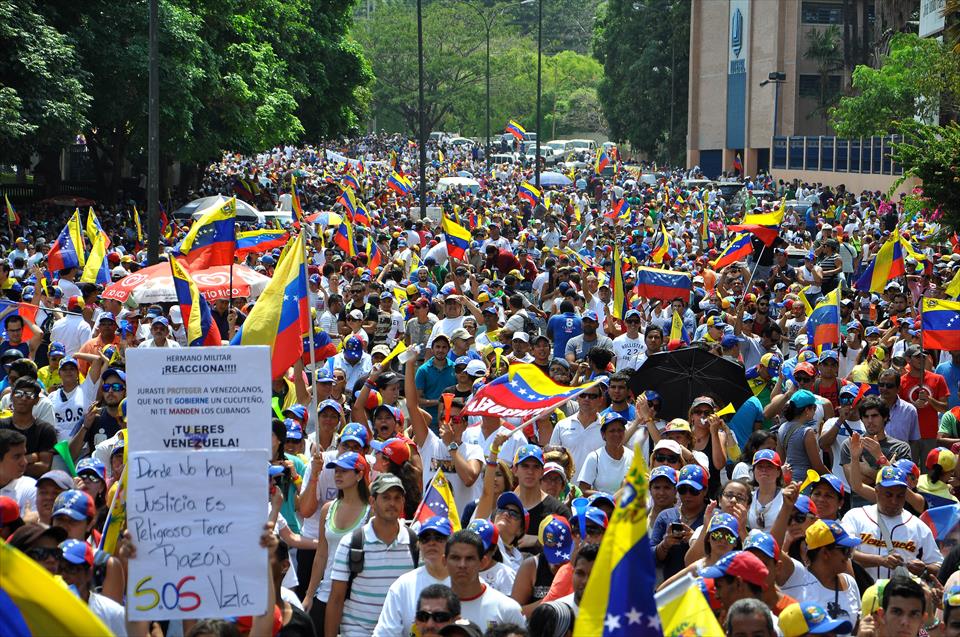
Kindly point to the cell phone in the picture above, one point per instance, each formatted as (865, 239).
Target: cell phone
(676, 528)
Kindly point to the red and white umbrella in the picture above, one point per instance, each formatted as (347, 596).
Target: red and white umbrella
(155, 284)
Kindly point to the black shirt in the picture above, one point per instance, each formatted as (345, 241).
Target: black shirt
(300, 625)
(104, 426)
(41, 436)
(547, 506)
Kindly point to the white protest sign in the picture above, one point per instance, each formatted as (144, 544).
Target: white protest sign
(199, 397)
(196, 519)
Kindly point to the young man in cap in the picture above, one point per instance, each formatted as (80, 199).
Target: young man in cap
(579, 346)
(629, 347)
(73, 398)
(528, 467)
(400, 610)
(75, 513)
(107, 335)
(479, 603)
(49, 486)
(738, 575)
(354, 361)
(836, 431)
(386, 556)
(101, 422)
(76, 569)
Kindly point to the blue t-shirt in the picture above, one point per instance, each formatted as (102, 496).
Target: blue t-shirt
(561, 328)
(951, 374)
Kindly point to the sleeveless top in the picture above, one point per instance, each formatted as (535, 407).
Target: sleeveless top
(544, 579)
(333, 536)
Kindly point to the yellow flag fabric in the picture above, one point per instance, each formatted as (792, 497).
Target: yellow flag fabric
(37, 603)
(398, 349)
(953, 288)
(685, 611)
(76, 234)
(94, 268)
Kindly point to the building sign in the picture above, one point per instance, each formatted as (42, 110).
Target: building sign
(931, 17)
(739, 48)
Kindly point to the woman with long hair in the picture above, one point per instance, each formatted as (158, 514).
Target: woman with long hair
(504, 509)
(709, 437)
(722, 536)
(338, 518)
(760, 439)
(797, 437)
(767, 498)
(735, 499)
(503, 480)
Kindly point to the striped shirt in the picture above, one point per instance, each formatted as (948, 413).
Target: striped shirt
(382, 565)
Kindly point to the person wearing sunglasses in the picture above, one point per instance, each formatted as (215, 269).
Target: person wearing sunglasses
(709, 437)
(77, 570)
(829, 584)
(799, 516)
(903, 422)
(877, 447)
(674, 527)
(437, 607)
(40, 543)
(93, 475)
(104, 419)
(580, 433)
(399, 612)
(721, 536)
(837, 430)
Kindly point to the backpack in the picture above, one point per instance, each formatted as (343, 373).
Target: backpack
(355, 559)
(530, 326)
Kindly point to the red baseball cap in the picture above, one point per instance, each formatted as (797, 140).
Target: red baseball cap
(396, 450)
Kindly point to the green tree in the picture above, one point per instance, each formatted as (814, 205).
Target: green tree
(932, 154)
(824, 48)
(42, 101)
(643, 46)
(919, 77)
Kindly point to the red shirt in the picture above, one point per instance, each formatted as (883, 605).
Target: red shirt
(936, 385)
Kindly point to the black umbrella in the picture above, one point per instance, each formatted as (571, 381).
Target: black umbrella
(682, 375)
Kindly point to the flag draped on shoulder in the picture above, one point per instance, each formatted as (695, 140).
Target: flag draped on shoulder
(195, 311)
(212, 239)
(823, 324)
(524, 391)
(438, 500)
(940, 321)
(619, 597)
(281, 316)
(457, 237)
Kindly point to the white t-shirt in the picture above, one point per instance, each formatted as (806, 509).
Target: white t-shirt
(500, 577)
(838, 604)
(69, 407)
(445, 326)
(110, 613)
(508, 451)
(492, 607)
(846, 430)
(603, 472)
(769, 511)
(911, 538)
(400, 605)
(629, 351)
(24, 491)
(435, 455)
(70, 330)
(170, 342)
(579, 441)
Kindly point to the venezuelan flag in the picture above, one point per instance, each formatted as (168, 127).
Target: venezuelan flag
(295, 201)
(524, 391)
(200, 327)
(136, 224)
(457, 237)
(399, 184)
(886, 266)
(529, 193)
(438, 500)
(619, 210)
(953, 288)
(704, 223)
(940, 321)
(343, 237)
(740, 248)
(349, 202)
(362, 216)
(738, 164)
(12, 216)
(766, 234)
(34, 602)
(942, 520)
(619, 597)
(67, 251)
(212, 239)
(97, 269)
(662, 247)
(374, 256)
(823, 324)
(619, 289)
(602, 161)
(516, 130)
(684, 610)
(94, 229)
(258, 241)
(667, 285)
(678, 334)
(769, 219)
(281, 316)
(351, 182)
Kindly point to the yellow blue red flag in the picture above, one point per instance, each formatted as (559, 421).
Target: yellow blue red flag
(212, 239)
(663, 246)
(619, 289)
(94, 229)
(886, 266)
(97, 269)
(438, 500)
(618, 600)
(457, 237)
(529, 193)
(940, 321)
(194, 310)
(685, 611)
(523, 391)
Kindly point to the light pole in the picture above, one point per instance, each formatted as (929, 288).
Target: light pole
(422, 114)
(536, 159)
(153, 139)
(777, 78)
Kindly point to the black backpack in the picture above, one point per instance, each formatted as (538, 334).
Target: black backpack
(355, 560)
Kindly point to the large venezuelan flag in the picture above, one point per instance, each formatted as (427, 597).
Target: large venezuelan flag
(516, 130)
(67, 251)
(97, 269)
(886, 266)
(523, 392)
(212, 239)
(457, 237)
(438, 500)
(258, 241)
(281, 316)
(195, 311)
(940, 321)
(823, 324)
(739, 248)
(663, 284)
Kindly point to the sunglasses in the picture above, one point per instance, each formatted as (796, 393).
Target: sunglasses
(685, 490)
(23, 393)
(846, 550)
(702, 412)
(90, 477)
(511, 513)
(666, 457)
(439, 616)
(798, 518)
(430, 536)
(846, 402)
(586, 396)
(114, 387)
(722, 536)
(40, 554)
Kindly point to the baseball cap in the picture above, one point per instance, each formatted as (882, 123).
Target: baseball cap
(69, 360)
(771, 362)
(892, 477)
(951, 597)
(762, 541)
(872, 330)
(805, 505)
(396, 450)
(528, 451)
(610, 417)
(803, 618)
(93, 465)
(556, 538)
(693, 475)
(9, 510)
(554, 467)
(381, 349)
(330, 404)
(299, 412)
(834, 483)
(75, 303)
(393, 411)
(591, 514)
(476, 368)
(56, 349)
(113, 371)
(670, 445)
(77, 552)
(509, 498)
(873, 597)
(461, 628)
(908, 466)
(826, 532)
(106, 316)
(803, 398)
(703, 400)
(356, 432)
(724, 521)
(590, 316)
(75, 504)
(294, 430)
(461, 333)
(740, 564)
(521, 336)
(160, 320)
(384, 482)
(488, 533)
(353, 347)
(600, 496)
(677, 424)
(729, 340)
(669, 473)
(830, 354)
(943, 457)
(350, 460)
(438, 523)
(767, 455)
(60, 478)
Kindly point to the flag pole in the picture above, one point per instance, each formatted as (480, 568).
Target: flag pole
(313, 355)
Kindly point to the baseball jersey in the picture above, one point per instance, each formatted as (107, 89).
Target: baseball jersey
(910, 537)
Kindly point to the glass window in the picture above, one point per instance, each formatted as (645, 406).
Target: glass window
(826, 153)
(855, 155)
(812, 154)
(877, 154)
(795, 157)
(780, 153)
(821, 13)
(843, 147)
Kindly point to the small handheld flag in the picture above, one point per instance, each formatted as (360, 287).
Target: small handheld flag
(438, 500)
(516, 130)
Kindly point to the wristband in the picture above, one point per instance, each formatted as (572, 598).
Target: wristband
(369, 383)
(882, 461)
(492, 463)
(495, 450)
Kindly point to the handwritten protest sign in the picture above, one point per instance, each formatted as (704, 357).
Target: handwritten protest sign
(196, 522)
(199, 397)
(196, 496)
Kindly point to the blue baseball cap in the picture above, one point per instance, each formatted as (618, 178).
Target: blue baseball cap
(592, 514)
(69, 360)
(834, 483)
(351, 461)
(113, 371)
(56, 349)
(106, 316)
(274, 470)
(556, 537)
(872, 330)
(829, 354)
(767, 455)
(724, 521)
(331, 404)
(693, 475)
(764, 542)
(526, 452)
(356, 432)
(729, 340)
(487, 531)
(92, 464)
(353, 347)
(739, 564)
(298, 411)
(590, 316)
(632, 314)
(669, 473)
(294, 430)
(462, 360)
(438, 523)
(892, 477)
(805, 505)
(77, 552)
(75, 504)
(601, 496)
(509, 498)
(803, 398)
(324, 376)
